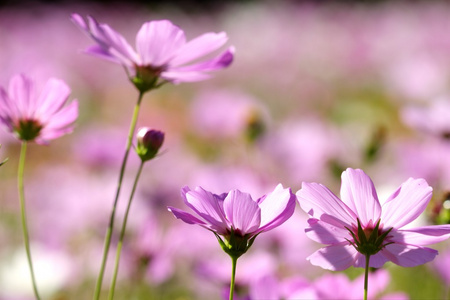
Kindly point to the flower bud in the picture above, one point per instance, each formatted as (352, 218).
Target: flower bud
(148, 143)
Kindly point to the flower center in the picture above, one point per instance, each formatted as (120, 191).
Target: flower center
(370, 240)
(28, 130)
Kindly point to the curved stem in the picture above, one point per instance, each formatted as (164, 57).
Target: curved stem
(233, 276)
(122, 234)
(109, 231)
(26, 237)
(366, 276)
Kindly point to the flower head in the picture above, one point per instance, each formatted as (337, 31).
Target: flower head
(38, 117)
(236, 216)
(359, 224)
(162, 53)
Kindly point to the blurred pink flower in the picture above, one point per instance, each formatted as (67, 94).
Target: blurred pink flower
(236, 215)
(432, 119)
(37, 117)
(224, 113)
(162, 51)
(332, 219)
(339, 286)
(253, 269)
(442, 266)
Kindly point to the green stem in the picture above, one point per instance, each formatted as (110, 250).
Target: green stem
(233, 276)
(366, 276)
(26, 237)
(109, 231)
(122, 234)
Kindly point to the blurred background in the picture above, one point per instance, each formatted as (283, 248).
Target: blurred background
(315, 87)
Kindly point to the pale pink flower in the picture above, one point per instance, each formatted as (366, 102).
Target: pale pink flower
(236, 215)
(34, 116)
(334, 222)
(161, 51)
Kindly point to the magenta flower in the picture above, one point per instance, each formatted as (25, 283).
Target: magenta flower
(382, 232)
(161, 52)
(236, 215)
(38, 117)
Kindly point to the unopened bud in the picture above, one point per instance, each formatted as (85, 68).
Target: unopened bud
(148, 143)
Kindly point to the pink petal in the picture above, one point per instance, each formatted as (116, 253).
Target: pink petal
(209, 207)
(7, 110)
(111, 44)
(100, 52)
(408, 255)
(421, 236)
(22, 93)
(334, 258)
(199, 47)
(118, 46)
(185, 216)
(242, 211)
(406, 203)
(178, 77)
(59, 124)
(276, 208)
(157, 42)
(79, 21)
(63, 118)
(325, 233)
(375, 261)
(219, 62)
(51, 99)
(319, 202)
(358, 192)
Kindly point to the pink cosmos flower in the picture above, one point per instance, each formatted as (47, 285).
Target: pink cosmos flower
(161, 51)
(33, 116)
(334, 222)
(236, 215)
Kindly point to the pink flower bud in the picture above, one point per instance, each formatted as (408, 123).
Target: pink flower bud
(148, 143)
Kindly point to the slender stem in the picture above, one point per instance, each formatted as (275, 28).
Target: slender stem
(366, 276)
(233, 276)
(122, 234)
(26, 237)
(109, 231)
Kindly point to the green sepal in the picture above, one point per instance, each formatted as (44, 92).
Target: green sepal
(145, 153)
(373, 244)
(147, 78)
(235, 245)
(361, 234)
(28, 130)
